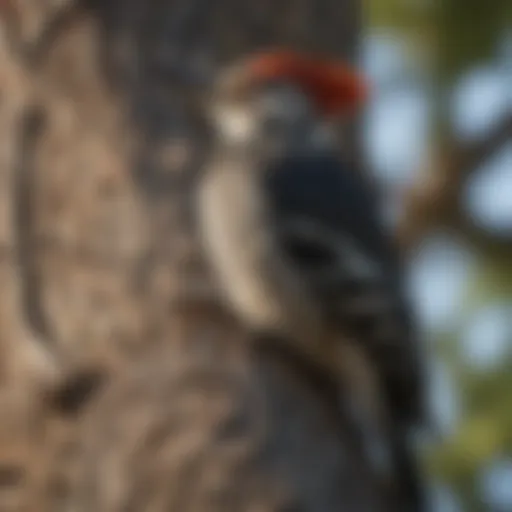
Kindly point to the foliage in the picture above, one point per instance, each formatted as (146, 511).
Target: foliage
(460, 33)
(458, 36)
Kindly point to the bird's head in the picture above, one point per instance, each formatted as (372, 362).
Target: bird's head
(285, 99)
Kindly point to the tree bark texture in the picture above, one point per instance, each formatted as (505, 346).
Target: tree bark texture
(100, 144)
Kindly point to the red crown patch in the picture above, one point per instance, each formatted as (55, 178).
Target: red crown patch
(335, 88)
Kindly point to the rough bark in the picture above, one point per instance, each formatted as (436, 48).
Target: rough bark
(222, 429)
(100, 145)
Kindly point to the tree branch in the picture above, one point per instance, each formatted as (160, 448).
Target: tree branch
(435, 201)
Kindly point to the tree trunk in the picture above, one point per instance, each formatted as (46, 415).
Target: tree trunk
(100, 145)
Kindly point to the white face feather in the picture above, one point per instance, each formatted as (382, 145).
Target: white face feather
(234, 123)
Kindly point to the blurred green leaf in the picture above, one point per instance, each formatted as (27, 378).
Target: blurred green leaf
(450, 38)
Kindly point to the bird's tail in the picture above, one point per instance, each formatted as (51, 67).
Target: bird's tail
(407, 472)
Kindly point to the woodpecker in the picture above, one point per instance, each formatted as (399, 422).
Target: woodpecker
(292, 232)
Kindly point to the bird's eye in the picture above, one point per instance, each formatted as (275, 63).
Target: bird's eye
(308, 254)
(273, 124)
